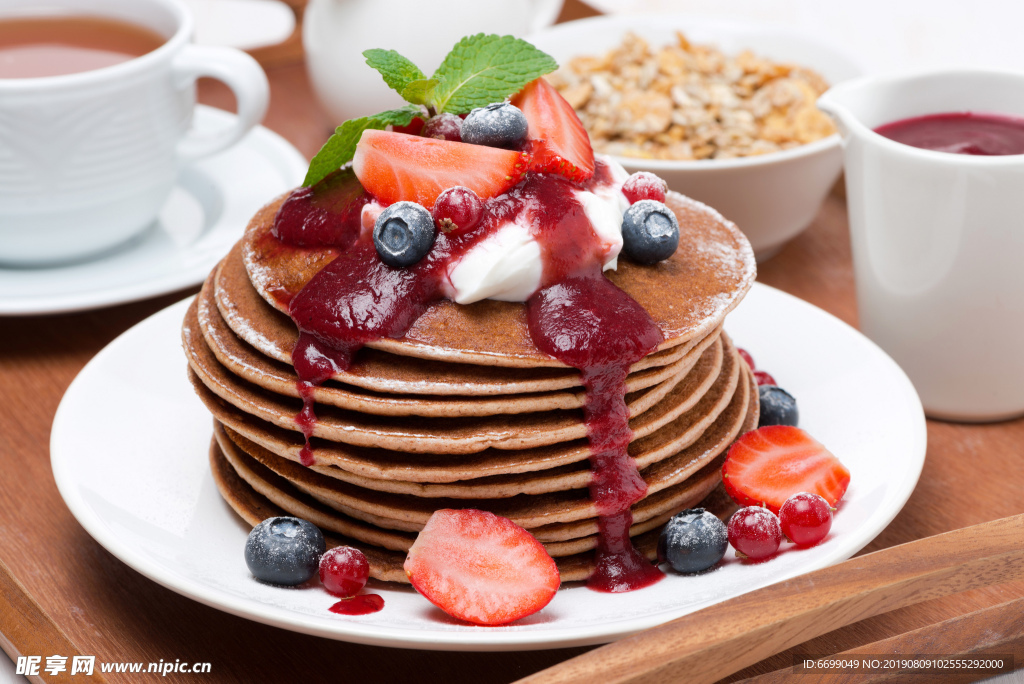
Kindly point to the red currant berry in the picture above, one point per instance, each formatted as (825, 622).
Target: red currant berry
(344, 571)
(444, 126)
(644, 185)
(412, 128)
(754, 532)
(747, 357)
(806, 518)
(457, 210)
(764, 379)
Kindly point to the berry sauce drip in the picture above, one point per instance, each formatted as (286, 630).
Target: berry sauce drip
(588, 323)
(578, 316)
(356, 299)
(363, 604)
(315, 364)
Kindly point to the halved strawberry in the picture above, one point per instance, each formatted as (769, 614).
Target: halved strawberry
(481, 567)
(394, 167)
(558, 142)
(770, 464)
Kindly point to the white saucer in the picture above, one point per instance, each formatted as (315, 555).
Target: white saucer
(130, 445)
(205, 215)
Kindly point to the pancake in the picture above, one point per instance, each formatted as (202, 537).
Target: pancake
(410, 513)
(245, 362)
(386, 564)
(456, 435)
(558, 539)
(463, 410)
(665, 441)
(254, 508)
(274, 335)
(668, 440)
(687, 295)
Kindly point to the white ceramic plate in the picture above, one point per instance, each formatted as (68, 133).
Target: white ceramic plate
(204, 216)
(130, 442)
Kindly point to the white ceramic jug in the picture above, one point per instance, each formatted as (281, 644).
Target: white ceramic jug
(335, 33)
(938, 241)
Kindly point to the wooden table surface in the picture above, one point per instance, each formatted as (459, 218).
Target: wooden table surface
(973, 473)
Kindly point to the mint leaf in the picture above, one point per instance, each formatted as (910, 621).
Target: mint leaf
(420, 90)
(482, 69)
(341, 146)
(396, 70)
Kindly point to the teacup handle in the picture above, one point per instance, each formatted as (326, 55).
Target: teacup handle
(246, 79)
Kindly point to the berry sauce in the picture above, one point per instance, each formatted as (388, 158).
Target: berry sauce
(324, 215)
(577, 316)
(959, 133)
(588, 323)
(363, 604)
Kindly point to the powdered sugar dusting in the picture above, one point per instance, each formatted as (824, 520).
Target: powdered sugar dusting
(241, 326)
(718, 264)
(738, 257)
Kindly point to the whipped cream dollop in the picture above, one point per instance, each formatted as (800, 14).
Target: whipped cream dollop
(508, 264)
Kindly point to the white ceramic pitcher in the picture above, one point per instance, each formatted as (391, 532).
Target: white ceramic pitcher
(335, 33)
(938, 241)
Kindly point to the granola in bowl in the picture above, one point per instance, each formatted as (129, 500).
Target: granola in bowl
(687, 101)
(726, 116)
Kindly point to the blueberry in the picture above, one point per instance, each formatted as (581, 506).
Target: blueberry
(403, 234)
(693, 541)
(284, 550)
(650, 232)
(497, 125)
(778, 407)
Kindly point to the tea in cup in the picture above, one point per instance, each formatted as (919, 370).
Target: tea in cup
(96, 102)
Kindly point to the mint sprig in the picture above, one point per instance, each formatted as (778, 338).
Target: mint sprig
(482, 69)
(396, 70)
(419, 91)
(479, 70)
(340, 147)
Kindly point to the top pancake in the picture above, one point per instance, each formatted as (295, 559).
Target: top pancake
(274, 335)
(688, 295)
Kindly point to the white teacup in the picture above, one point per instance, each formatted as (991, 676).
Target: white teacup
(938, 241)
(88, 159)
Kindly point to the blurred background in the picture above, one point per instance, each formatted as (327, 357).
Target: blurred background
(885, 36)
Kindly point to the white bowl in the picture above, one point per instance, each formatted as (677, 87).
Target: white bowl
(771, 197)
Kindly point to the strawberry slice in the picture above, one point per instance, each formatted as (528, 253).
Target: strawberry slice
(394, 167)
(481, 567)
(556, 137)
(770, 464)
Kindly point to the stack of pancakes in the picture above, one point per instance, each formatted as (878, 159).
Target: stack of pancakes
(463, 411)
